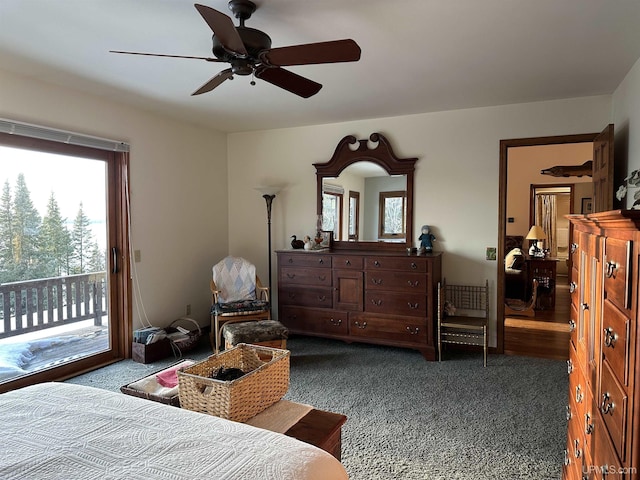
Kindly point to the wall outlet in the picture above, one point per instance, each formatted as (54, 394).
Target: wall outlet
(136, 256)
(188, 309)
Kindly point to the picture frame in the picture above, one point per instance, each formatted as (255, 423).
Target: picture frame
(587, 205)
(327, 238)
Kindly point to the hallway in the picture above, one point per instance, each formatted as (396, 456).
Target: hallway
(547, 334)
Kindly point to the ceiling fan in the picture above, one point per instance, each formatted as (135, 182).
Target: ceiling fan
(249, 52)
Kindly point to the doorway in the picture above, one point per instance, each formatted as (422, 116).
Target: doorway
(519, 162)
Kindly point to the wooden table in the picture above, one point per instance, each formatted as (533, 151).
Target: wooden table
(322, 429)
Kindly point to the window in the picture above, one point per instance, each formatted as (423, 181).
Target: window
(392, 208)
(354, 215)
(332, 213)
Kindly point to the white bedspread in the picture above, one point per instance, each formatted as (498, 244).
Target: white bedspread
(68, 432)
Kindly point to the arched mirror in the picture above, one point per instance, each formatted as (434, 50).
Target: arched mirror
(365, 195)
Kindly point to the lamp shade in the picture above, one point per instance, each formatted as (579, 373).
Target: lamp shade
(536, 233)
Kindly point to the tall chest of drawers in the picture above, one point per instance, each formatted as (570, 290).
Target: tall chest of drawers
(371, 297)
(603, 410)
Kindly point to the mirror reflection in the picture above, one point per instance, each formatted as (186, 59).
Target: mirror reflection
(365, 203)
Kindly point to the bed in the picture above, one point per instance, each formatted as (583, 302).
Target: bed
(66, 431)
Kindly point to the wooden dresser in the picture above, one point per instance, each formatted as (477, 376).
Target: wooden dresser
(353, 295)
(603, 411)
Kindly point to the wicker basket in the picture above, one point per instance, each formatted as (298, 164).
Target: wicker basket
(240, 399)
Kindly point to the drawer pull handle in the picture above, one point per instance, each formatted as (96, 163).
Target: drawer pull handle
(322, 278)
(576, 448)
(291, 275)
(572, 287)
(337, 322)
(568, 413)
(413, 284)
(376, 263)
(579, 394)
(290, 260)
(574, 247)
(413, 306)
(567, 460)
(585, 306)
(610, 269)
(348, 262)
(588, 424)
(607, 405)
(321, 261)
(292, 295)
(572, 325)
(322, 298)
(362, 327)
(610, 337)
(413, 331)
(376, 302)
(414, 265)
(376, 281)
(569, 366)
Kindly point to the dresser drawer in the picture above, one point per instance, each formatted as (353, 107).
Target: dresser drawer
(395, 303)
(617, 283)
(304, 260)
(577, 387)
(388, 327)
(406, 264)
(311, 320)
(306, 296)
(613, 407)
(320, 277)
(615, 341)
(574, 287)
(396, 281)
(573, 325)
(605, 463)
(347, 262)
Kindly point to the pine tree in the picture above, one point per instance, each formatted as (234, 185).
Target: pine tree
(96, 259)
(7, 264)
(55, 241)
(26, 225)
(82, 241)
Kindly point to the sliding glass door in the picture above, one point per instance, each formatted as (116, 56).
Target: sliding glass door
(61, 252)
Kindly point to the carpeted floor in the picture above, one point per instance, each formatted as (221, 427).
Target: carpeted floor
(413, 419)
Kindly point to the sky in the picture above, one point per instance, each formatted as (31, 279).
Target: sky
(72, 179)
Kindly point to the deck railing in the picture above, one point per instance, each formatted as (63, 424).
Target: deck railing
(50, 302)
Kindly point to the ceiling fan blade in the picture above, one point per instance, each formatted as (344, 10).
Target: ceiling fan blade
(313, 53)
(208, 59)
(223, 29)
(214, 82)
(290, 81)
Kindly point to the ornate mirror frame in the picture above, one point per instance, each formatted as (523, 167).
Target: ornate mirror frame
(381, 154)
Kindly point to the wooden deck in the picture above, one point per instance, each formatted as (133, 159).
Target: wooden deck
(546, 335)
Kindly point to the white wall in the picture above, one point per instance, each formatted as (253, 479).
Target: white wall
(626, 117)
(178, 183)
(456, 182)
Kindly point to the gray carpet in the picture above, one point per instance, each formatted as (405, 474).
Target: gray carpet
(413, 419)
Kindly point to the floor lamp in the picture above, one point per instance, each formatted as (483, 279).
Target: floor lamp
(269, 193)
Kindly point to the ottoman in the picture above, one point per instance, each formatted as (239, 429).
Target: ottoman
(268, 333)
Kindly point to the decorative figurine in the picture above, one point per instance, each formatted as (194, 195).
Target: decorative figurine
(426, 239)
(296, 244)
(308, 244)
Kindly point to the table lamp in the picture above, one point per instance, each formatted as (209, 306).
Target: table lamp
(536, 233)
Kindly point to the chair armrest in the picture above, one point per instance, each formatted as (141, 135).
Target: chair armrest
(260, 290)
(214, 292)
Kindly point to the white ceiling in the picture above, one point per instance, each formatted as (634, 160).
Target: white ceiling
(417, 55)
